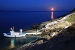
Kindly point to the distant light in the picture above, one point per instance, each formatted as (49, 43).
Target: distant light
(52, 9)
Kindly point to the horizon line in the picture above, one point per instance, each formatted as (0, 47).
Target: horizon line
(28, 11)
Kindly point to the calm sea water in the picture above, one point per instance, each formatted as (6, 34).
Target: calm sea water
(24, 20)
(20, 20)
(13, 43)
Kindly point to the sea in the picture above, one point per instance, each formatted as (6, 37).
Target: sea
(22, 20)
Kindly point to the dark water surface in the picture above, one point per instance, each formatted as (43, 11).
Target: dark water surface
(24, 20)
(13, 43)
(20, 20)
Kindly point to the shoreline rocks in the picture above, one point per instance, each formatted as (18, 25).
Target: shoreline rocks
(48, 33)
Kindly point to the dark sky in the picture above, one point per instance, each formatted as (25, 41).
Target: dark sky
(37, 5)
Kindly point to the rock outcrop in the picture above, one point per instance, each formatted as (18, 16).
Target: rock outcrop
(59, 35)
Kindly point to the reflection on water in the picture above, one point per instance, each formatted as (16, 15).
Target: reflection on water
(12, 44)
(52, 15)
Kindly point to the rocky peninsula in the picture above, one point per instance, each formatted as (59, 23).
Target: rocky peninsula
(58, 34)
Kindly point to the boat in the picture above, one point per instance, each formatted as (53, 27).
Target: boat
(12, 33)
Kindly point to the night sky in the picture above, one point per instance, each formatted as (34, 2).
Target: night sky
(37, 5)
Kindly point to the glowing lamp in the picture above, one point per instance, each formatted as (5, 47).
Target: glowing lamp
(52, 8)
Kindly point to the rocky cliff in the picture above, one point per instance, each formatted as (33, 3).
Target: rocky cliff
(56, 35)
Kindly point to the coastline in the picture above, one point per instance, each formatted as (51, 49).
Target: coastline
(43, 39)
(58, 26)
